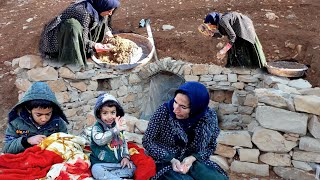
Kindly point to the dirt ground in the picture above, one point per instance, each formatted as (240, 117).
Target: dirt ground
(291, 33)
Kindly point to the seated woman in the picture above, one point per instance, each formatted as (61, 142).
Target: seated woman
(182, 134)
(244, 48)
(77, 31)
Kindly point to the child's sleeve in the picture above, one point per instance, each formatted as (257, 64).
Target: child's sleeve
(12, 141)
(125, 153)
(102, 138)
(63, 127)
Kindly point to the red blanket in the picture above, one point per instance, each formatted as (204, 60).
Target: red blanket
(145, 165)
(31, 164)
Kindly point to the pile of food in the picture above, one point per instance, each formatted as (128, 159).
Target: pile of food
(121, 53)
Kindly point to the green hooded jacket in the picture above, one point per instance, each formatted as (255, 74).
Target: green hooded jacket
(21, 124)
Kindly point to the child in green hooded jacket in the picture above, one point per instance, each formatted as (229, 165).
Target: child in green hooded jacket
(36, 116)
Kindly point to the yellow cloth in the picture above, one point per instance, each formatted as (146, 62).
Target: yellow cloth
(69, 147)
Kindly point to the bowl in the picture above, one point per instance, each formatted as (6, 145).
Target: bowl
(286, 68)
(147, 51)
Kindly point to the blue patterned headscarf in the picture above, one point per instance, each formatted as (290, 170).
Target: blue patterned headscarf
(95, 7)
(212, 18)
(199, 100)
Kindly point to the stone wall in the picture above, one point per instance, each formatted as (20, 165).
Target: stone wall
(267, 122)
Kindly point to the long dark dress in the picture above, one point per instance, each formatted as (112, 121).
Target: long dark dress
(246, 48)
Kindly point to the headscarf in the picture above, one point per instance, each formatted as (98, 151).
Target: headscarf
(199, 100)
(95, 7)
(212, 18)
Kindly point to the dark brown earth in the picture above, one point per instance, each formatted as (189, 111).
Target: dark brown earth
(293, 35)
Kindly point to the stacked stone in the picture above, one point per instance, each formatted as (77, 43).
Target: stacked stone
(266, 121)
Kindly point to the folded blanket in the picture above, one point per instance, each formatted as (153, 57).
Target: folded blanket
(60, 149)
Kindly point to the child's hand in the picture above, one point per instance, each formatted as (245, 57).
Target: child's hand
(125, 162)
(120, 124)
(34, 140)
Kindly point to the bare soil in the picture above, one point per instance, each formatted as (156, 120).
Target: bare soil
(292, 35)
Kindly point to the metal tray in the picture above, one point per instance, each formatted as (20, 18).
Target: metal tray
(286, 68)
(143, 42)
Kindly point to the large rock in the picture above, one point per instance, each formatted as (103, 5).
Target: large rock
(282, 120)
(141, 126)
(66, 73)
(43, 74)
(293, 173)
(309, 104)
(271, 141)
(235, 138)
(29, 61)
(22, 84)
(301, 165)
(272, 97)
(249, 155)
(286, 89)
(300, 84)
(314, 126)
(57, 85)
(309, 144)
(250, 168)
(221, 161)
(133, 137)
(310, 91)
(270, 80)
(306, 156)
(225, 151)
(275, 159)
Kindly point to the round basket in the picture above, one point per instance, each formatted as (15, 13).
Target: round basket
(286, 68)
(141, 41)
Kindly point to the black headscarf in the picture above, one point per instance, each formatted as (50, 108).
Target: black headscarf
(95, 7)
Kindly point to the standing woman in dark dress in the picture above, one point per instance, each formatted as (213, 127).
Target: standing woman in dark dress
(78, 31)
(182, 134)
(243, 48)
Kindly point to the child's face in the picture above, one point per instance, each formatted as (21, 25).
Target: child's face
(108, 114)
(41, 116)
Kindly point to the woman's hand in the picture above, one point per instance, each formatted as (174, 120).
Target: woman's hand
(37, 139)
(187, 163)
(103, 47)
(120, 124)
(221, 55)
(125, 162)
(176, 165)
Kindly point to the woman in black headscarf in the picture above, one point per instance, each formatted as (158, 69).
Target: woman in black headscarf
(244, 48)
(182, 134)
(77, 31)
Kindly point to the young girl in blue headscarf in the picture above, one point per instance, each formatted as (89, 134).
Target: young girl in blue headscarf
(182, 134)
(243, 48)
(77, 31)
